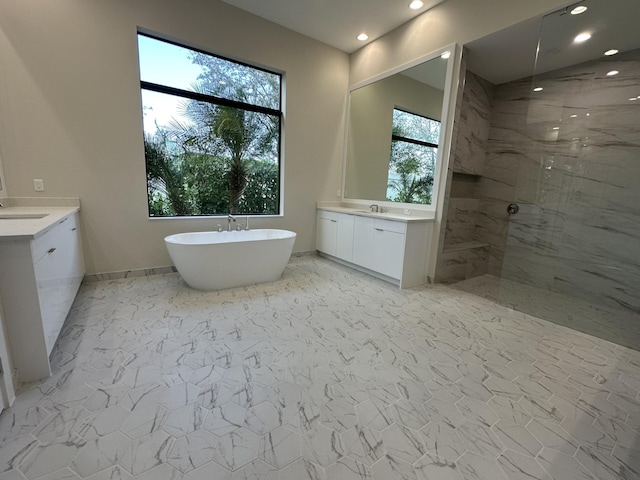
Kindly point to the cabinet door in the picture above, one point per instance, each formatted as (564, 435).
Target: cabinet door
(344, 247)
(58, 274)
(50, 294)
(389, 252)
(327, 226)
(70, 261)
(364, 251)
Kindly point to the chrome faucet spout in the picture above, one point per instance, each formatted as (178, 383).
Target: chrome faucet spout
(374, 208)
(230, 218)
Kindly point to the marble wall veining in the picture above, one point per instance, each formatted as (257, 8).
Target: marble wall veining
(464, 253)
(568, 155)
(576, 148)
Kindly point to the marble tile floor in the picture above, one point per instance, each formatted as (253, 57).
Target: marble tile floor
(621, 326)
(326, 374)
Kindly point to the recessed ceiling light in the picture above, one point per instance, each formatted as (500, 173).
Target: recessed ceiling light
(583, 37)
(573, 116)
(634, 99)
(445, 55)
(556, 128)
(578, 10)
(416, 4)
(613, 51)
(362, 37)
(612, 73)
(538, 89)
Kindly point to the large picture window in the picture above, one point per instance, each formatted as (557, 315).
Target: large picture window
(212, 130)
(414, 150)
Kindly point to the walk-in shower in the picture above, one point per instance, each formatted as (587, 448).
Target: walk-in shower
(562, 147)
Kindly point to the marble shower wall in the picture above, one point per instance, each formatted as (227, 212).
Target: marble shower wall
(578, 228)
(463, 252)
(574, 149)
(577, 148)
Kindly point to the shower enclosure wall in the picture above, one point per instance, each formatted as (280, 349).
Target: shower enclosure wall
(564, 145)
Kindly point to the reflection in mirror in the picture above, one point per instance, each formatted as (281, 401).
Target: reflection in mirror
(394, 131)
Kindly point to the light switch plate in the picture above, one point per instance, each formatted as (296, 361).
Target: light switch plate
(38, 185)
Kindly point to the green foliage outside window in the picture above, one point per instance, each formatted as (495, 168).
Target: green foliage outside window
(212, 134)
(414, 150)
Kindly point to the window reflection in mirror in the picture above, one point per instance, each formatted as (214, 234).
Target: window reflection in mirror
(414, 149)
(381, 166)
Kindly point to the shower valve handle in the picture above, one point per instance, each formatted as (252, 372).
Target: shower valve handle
(513, 208)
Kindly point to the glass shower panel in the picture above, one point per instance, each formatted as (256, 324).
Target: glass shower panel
(572, 254)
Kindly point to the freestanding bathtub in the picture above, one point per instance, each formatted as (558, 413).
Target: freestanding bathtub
(216, 260)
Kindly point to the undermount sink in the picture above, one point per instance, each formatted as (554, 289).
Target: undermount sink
(372, 213)
(22, 216)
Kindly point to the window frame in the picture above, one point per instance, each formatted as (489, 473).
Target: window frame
(415, 141)
(423, 143)
(215, 100)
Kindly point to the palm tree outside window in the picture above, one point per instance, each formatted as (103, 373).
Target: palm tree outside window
(212, 129)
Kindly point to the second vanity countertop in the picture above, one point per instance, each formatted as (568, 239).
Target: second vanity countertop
(14, 225)
(365, 212)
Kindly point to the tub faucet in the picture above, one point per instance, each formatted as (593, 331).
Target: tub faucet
(230, 218)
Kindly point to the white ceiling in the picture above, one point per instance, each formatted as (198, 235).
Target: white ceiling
(511, 53)
(336, 22)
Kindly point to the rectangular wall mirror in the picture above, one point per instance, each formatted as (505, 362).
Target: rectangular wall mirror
(394, 131)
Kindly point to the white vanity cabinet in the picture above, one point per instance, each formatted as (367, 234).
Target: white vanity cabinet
(39, 279)
(335, 234)
(379, 245)
(394, 250)
(327, 229)
(344, 237)
(59, 268)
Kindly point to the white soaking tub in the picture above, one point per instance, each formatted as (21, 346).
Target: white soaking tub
(216, 260)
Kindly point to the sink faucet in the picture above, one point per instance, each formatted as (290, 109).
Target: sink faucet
(374, 208)
(230, 218)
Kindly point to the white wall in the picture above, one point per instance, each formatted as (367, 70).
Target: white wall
(70, 113)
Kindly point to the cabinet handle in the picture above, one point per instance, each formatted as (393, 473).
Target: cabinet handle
(334, 221)
(51, 250)
(379, 230)
(74, 229)
(63, 220)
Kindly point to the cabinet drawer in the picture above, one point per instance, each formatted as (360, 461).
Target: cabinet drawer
(53, 238)
(325, 215)
(43, 244)
(390, 226)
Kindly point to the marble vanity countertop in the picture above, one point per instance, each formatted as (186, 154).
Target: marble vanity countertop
(365, 212)
(29, 228)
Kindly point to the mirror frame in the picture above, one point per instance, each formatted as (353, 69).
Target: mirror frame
(3, 185)
(446, 121)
